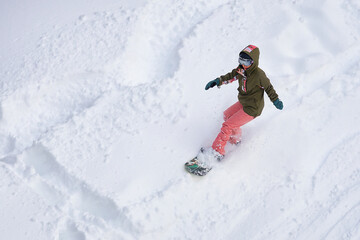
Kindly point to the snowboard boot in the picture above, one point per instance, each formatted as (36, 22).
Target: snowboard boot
(210, 154)
(234, 140)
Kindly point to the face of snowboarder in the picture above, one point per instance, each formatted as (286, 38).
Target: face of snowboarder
(245, 60)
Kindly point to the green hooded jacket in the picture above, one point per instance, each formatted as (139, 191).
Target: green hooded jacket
(252, 84)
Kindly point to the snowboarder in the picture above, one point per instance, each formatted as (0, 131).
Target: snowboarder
(252, 84)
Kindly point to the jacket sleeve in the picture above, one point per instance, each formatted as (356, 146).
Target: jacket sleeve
(268, 87)
(229, 77)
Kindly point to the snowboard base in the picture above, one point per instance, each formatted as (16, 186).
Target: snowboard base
(195, 168)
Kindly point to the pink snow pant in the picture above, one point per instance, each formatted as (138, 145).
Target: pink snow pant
(234, 118)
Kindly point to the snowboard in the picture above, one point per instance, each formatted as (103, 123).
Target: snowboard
(199, 165)
(195, 167)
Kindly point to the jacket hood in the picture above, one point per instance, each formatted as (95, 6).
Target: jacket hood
(254, 53)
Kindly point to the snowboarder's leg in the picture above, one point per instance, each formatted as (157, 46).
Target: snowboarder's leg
(233, 123)
(232, 110)
(236, 133)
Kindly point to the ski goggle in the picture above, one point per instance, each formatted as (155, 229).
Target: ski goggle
(244, 61)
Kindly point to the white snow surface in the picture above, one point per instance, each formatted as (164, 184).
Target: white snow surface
(102, 103)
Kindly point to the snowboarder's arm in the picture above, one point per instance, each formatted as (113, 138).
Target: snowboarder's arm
(229, 77)
(269, 89)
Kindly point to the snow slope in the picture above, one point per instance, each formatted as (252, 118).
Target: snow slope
(102, 102)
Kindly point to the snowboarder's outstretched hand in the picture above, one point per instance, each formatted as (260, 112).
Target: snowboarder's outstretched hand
(278, 104)
(213, 83)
